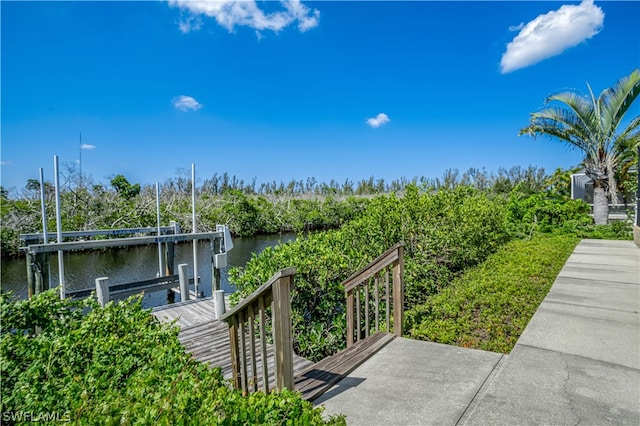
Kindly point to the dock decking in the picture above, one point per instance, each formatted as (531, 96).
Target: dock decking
(207, 339)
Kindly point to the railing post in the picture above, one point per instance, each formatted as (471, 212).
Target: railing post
(282, 339)
(235, 353)
(263, 343)
(350, 330)
(102, 290)
(184, 282)
(398, 293)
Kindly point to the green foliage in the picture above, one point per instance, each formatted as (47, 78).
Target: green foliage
(616, 230)
(544, 211)
(444, 233)
(489, 306)
(119, 365)
(559, 182)
(124, 188)
(94, 207)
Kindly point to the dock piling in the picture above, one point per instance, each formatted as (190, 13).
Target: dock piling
(184, 282)
(102, 290)
(219, 303)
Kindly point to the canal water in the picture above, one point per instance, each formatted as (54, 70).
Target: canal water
(137, 263)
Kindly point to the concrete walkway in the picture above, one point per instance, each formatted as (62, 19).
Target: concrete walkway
(577, 362)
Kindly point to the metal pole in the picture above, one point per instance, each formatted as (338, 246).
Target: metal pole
(45, 236)
(160, 268)
(572, 185)
(195, 243)
(43, 208)
(56, 173)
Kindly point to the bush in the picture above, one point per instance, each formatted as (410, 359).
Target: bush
(489, 306)
(119, 365)
(444, 233)
(544, 212)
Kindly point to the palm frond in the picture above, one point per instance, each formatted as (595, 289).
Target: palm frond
(561, 123)
(590, 124)
(618, 99)
(630, 136)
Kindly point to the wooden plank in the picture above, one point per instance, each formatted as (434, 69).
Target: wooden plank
(188, 313)
(350, 318)
(243, 353)
(209, 341)
(375, 266)
(263, 343)
(318, 378)
(398, 294)
(376, 294)
(358, 325)
(252, 349)
(340, 362)
(386, 289)
(282, 338)
(235, 359)
(259, 292)
(366, 309)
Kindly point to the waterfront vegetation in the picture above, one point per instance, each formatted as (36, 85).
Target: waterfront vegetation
(481, 252)
(248, 209)
(447, 233)
(119, 365)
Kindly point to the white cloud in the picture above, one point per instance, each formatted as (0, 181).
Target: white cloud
(232, 13)
(551, 34)
(87, 146)
(186, 103)
(516, 27)
(5, 163)
(378, 120)
(191, 23)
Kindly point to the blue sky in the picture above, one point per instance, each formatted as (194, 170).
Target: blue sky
(275, 90)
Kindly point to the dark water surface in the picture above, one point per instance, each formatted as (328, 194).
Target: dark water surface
(136, 263)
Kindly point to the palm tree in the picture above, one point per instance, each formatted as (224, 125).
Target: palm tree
(590, 124)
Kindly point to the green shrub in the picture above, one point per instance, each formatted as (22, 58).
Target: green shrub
(119, 365)
(544, 211)
(616, 230)
(489, 306)
(443, 233)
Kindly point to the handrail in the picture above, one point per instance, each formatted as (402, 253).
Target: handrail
(277, 293)
(359, 283)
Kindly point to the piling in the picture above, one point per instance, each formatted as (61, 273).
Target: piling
(102, 290)
(31, 281)
(219, 303)
(184, 282)
(215, 272)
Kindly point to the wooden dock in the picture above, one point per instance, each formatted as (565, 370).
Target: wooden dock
(207, 339)
(238, 344)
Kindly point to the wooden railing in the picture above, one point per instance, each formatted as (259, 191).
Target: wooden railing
(242, 332)
(365, 301)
